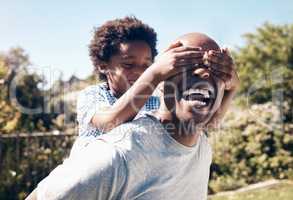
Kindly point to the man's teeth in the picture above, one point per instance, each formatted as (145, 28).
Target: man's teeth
(201, 103)
(205, 93)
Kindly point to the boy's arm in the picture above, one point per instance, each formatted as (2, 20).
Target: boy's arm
(171, 62)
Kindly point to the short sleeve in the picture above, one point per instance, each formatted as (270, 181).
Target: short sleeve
(89, 100)
(96, 172)
(150, 107)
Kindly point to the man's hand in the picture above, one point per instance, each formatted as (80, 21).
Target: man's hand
(221, 64)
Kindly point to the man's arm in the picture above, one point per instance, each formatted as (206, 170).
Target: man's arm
(96, 172)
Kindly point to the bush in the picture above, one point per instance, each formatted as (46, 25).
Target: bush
(25, 161)
(265, 65)
(253, 145)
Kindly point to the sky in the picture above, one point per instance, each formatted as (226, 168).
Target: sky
(55, 34)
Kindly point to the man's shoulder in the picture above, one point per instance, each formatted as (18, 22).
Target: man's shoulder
(143, 124)
(128, 132)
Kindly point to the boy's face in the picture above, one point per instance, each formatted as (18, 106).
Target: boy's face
(125, 67)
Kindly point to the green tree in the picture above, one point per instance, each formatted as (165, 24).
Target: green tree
(252, 146)
(20, 89)
(265, 66)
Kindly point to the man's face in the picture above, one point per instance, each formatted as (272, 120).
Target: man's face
(198, 94)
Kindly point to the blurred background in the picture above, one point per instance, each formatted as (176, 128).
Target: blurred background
(44, 62)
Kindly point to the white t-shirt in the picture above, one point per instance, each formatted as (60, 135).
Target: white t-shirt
(137, 160)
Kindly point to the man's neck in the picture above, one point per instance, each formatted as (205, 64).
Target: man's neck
(182, 132)
(187, 140)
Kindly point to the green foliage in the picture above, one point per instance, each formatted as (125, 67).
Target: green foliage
(20, 89)
(29, 96)
(253, 145)
(25, 161)
(265, 65)
(256, 141)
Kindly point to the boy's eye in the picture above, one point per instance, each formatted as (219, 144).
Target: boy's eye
(130, 66)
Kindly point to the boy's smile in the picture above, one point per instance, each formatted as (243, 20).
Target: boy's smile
(127, 65)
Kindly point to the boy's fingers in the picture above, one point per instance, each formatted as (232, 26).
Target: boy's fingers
(186, 48)
(189, 54)
(225, 77)
(189, 61)
(225, 65)
(226, 51)
(174, 45)
(220, 57)
(215, 59)
(215, 52)
(225, 69)
(181, 69)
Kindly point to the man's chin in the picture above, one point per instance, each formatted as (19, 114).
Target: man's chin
(201, 114)
(196, 116)
(194, 119)
(200, 118)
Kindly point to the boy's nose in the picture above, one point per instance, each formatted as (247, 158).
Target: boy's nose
(204, 73)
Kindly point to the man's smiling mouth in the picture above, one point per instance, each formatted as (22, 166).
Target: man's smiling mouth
(201, 96)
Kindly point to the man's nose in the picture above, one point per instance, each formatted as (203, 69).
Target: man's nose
(203, 73)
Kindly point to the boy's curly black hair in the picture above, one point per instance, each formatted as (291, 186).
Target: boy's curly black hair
(108, 37)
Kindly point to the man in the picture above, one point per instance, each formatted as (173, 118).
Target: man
(165, 156)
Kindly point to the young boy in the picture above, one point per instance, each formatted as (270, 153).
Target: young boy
(121, 50)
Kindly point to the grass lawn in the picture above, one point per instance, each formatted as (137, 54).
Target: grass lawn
(282, 191)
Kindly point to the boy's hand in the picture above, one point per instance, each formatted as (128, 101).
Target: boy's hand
(176, 59)
(221, 64)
